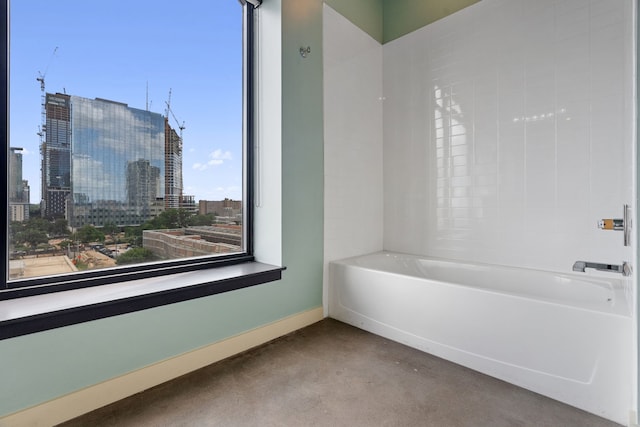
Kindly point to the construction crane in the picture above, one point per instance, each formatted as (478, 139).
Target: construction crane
(170, 111)
(173, 171)
(41, 76)
(180, 126)
(42, 131)
(168, 102)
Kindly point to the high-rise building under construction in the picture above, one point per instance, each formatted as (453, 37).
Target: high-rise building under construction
(104, 162)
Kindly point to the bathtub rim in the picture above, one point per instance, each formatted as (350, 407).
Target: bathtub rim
(619, 287)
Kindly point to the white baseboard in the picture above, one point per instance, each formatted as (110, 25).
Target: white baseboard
(88, 399)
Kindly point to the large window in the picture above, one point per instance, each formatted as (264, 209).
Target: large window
(128, 146)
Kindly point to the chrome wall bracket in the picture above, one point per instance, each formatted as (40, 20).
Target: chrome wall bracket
(627, 225)
(623, 224)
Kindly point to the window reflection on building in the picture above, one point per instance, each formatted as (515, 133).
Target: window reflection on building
(105, 162)
(454, 177)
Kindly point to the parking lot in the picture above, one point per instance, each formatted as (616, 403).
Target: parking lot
(41, 266)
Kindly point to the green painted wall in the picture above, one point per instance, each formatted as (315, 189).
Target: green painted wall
(404, 16)
(366, 14)
(39, 367)
(303, 150)
(387, 20)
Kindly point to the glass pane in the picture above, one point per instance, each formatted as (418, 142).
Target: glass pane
(126, 133)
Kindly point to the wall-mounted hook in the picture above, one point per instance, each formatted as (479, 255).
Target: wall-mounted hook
(304, 51)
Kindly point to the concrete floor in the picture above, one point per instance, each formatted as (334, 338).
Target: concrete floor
(331, 374)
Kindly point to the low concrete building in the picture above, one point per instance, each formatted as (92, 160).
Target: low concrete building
(178, 243)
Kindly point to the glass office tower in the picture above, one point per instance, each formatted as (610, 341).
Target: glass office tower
(18, 188)
(116, 163)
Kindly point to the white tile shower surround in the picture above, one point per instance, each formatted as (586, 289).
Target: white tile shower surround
(352, 139)
(508, 132)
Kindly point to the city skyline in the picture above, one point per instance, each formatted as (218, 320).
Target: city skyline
(95, 51)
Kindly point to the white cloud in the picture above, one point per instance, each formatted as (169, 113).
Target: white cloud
(216, 158)
(220, 155)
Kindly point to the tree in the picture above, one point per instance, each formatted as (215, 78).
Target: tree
(15, 227)
(173, 218)
(196, 220)
(133, 235)
(135, 256)
(89, 233)
(66, 243)
(31, 237)
(39, 224)
(60, 227)
(110, 228)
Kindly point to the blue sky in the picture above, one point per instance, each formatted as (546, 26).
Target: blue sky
(116, 49)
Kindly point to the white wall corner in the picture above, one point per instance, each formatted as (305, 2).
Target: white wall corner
(353, 181)
(268, 152)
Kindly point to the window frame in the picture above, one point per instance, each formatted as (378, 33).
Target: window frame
(249, 274)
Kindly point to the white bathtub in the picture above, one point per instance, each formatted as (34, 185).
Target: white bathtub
(566, 336)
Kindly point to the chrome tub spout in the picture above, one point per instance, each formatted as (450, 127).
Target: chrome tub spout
(624, 268)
